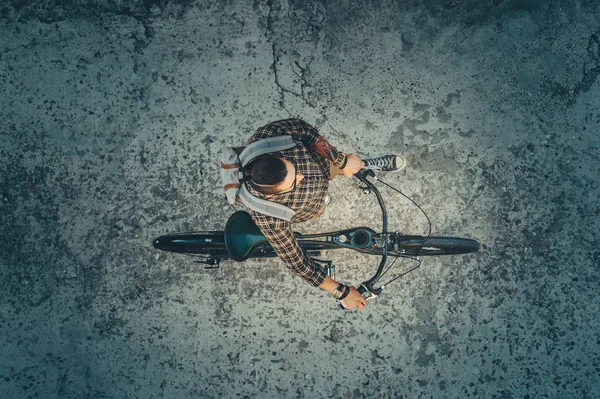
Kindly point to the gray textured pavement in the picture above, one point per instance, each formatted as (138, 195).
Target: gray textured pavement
(113, 114)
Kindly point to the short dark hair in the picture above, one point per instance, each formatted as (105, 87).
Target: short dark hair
(265, 173)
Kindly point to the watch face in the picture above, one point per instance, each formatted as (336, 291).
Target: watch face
(337, 293)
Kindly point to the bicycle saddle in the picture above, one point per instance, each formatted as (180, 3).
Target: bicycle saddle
(242, 236)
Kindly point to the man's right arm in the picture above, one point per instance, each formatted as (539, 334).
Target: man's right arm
(282, 239)
(285, 244)
(353, 299)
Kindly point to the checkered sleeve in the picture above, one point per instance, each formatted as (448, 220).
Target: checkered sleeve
(281, 238)
(298, 129)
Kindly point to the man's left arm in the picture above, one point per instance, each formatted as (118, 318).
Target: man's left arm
(348, 163)
(301, 131)
(282, 239)
(309, 136)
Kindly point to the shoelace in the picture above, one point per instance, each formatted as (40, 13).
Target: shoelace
(381, 163)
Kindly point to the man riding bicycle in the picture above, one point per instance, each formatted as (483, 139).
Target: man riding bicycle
(298, 178)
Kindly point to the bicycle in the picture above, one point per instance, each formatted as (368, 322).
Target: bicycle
(241, 240)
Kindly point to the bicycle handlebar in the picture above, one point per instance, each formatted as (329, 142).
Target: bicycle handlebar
(368, 285)
(366, 288)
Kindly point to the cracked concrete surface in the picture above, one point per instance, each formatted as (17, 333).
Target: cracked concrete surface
(113, 117)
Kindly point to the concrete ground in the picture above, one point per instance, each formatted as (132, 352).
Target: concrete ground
(113, 117)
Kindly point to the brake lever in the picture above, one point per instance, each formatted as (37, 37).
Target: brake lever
(363, 173)
(367, 293)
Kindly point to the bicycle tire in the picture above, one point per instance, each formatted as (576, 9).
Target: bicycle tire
(432, 246)
(437, 246)
(212, 243)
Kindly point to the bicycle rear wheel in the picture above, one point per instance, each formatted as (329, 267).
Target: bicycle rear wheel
(435, 246)
(209, 243)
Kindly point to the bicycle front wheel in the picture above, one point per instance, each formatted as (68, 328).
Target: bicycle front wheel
(434, 246)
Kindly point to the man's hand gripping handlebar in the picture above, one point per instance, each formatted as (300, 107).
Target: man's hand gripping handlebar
(359, 297)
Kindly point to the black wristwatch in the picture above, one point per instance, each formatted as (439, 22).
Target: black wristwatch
(346, 292)
(339, 291)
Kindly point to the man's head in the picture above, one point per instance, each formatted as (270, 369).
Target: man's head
(272, 175)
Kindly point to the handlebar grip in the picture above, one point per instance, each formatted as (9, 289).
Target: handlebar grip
(365, 292)
(369, 293)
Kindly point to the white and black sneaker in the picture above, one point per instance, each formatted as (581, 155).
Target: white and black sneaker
(327, 199)
(386, 163)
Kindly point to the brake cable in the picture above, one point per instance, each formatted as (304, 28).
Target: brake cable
(404, 255)
(400, 275)
(411, 200)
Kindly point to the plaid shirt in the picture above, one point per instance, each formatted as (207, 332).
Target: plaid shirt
(306, 200)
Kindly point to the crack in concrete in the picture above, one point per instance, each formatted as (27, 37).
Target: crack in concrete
(311, 30)
(315, 28)
(303, 82)
(282, 90)
(269, 25)
(270, 34)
